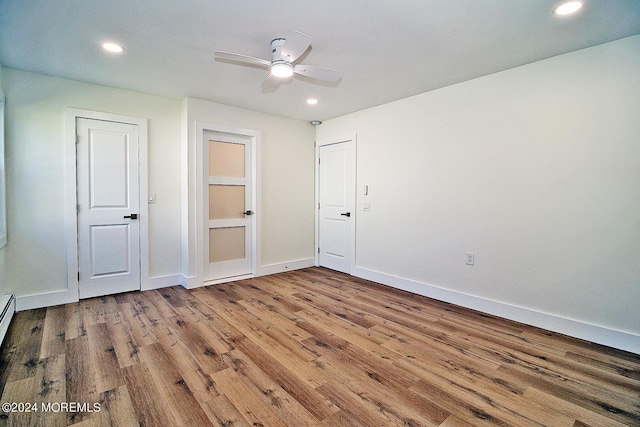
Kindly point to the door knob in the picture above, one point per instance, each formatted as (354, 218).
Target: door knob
(247, 213)
(132, 216)
(346, 214)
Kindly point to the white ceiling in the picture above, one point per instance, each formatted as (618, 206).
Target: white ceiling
(386, 50)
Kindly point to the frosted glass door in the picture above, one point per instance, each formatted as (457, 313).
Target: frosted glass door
(228, 244)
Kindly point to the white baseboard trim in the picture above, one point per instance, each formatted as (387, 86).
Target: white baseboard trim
(160, 282)
(281, 267)
(227, 280)
(597, 334)
(184, 281)
(65, 296)
(265, 270)
(193, 283)
(7, 310)
(47, 299)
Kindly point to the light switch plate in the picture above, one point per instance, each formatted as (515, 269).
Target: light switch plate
(471, 258)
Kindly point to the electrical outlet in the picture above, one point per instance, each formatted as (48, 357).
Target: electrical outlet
(471, 258)
(366, 206)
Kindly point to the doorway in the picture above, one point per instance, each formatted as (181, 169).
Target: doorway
(229, 204)
(336, 205)
(108, 207)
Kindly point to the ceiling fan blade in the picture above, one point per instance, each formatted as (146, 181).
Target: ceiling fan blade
(271, 83)
(318, 73)
(295, 45)
(238, 57)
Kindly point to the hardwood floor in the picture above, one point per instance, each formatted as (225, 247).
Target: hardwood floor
(304, 348)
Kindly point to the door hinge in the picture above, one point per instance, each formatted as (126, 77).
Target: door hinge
(318, 250)
(318, 160)
(78, 276)
(318, 205)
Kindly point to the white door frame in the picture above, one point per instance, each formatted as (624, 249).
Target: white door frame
(255, 140)
(351, 224)
(71, 200)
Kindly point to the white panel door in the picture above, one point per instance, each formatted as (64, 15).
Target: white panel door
(336, 196)
(228, 203)
(108, 207)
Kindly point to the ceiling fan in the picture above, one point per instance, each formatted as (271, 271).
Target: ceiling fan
(284, 53)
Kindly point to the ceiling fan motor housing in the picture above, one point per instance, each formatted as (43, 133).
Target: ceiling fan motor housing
(280, 67)
(276, 50)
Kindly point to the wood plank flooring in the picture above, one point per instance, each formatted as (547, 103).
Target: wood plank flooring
(304, 348)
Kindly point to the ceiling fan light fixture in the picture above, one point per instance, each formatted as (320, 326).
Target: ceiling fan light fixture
(568, 8)
(282, 69)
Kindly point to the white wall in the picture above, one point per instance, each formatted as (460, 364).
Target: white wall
(536, 170)
(3, 213)
(34, 261)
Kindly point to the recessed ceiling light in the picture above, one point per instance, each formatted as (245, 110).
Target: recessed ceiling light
(312, 101)
(567, 8)
(112, 47)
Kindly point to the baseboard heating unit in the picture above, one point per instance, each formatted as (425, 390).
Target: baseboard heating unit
(8, 306)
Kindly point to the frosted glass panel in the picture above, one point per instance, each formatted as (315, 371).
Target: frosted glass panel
(226, 201)
(226, 244)
(226, 159)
